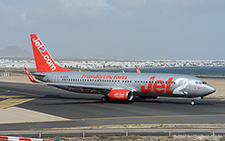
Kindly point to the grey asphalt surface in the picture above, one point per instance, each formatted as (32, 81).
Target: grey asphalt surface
(87, 110)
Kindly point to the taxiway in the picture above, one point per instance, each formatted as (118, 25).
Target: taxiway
(30, 106)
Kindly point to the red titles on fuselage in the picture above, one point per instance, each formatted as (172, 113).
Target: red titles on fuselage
(158, 86)
(99, 77)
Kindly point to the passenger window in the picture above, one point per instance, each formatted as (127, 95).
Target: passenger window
(198, 83)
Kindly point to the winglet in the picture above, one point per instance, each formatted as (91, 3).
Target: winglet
(137, 70)
(29, 75)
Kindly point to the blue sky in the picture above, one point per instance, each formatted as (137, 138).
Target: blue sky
(120, 29)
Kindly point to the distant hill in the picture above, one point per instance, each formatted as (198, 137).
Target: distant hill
(14, 51)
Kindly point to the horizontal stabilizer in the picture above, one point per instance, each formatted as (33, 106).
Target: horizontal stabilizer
(30, 76)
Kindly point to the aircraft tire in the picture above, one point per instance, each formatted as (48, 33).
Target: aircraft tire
(192, 102)
(104, 99)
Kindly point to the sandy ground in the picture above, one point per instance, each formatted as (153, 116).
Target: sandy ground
(218, 83)
(15, 78)
(16, 115)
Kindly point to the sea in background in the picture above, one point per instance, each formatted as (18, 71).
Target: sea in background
(179, 70)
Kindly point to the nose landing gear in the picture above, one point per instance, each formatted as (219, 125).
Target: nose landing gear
(195, 98)
(192, 102)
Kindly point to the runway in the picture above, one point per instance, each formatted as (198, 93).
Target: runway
(54, 108)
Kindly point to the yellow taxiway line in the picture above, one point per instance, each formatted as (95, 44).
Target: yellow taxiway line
(4, 92)
(19, 92)
(139, 117)
(12, 102)
(130, 117)
(6, 96)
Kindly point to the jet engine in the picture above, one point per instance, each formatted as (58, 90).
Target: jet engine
(121, 94)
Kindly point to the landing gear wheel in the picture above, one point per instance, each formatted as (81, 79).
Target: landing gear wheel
(192, 102)
(105, 99)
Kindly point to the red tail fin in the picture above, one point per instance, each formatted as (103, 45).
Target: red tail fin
(137, 70)
(44, 61)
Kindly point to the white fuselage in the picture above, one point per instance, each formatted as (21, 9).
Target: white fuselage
(144, 84)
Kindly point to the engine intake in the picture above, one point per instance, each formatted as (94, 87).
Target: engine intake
(121, 94)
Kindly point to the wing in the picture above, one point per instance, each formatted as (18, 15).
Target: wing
(71, 87)
(92, 87)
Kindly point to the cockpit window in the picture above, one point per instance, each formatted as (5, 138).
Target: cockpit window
(204, 82)
(198, 82)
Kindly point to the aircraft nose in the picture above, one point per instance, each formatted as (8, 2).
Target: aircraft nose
(209, 89)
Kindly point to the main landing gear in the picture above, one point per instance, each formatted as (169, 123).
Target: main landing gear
(105, 99)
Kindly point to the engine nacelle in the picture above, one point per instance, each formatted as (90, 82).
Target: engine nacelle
(121, 94)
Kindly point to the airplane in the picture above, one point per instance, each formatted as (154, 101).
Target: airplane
(115, 86)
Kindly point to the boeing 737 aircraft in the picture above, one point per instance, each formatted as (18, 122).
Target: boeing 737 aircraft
(115, 86)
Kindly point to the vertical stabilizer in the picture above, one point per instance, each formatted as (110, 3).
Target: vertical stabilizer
(44, 61)
(137, 70)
